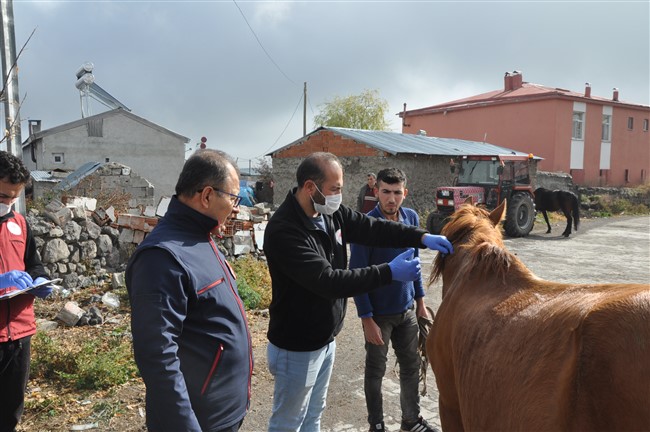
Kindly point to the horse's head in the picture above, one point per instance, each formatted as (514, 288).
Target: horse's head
(467, 227)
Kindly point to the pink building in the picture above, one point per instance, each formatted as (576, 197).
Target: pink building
(599, 141)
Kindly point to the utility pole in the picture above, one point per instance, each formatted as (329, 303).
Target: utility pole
(304, 111)
(11, 96)
(10, 73)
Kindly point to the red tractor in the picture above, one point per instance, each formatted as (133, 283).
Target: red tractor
(488, 180)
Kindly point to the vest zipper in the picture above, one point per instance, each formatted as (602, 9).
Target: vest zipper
(215, 363)
(243, 314)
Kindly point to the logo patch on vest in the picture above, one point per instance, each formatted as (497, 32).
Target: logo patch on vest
(14, 228)
(232, 271)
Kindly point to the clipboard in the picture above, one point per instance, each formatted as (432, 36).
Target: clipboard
(28, 289)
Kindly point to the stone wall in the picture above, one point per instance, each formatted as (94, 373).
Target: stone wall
(85, 247)
(116, 179)
(636, 195)
(555, 181)
(563, 181)
(76, 249)
(110, 179)
(424, 174)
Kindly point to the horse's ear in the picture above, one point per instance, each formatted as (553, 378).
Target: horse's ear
(497, 214)
(469, 200)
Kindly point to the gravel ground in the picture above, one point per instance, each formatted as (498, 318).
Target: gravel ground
(603, 250)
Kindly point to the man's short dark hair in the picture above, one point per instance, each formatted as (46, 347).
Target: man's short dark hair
(13, 169)
(391, 176)
(206, 167)
(313, 168)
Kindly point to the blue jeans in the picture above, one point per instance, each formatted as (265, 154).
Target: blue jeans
(301, 382)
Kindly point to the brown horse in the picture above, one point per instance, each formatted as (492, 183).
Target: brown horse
(512, 352)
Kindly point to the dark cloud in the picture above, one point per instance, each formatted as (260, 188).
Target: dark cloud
(197, 69)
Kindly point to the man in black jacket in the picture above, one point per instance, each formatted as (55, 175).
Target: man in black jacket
(305, 245)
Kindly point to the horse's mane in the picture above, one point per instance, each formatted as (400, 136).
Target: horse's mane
(480, 243)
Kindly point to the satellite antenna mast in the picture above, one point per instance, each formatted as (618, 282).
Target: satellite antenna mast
(85, 78)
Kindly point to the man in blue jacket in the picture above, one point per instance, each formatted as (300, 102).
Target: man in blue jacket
(305, 243)
(190, 335)
(391, 313)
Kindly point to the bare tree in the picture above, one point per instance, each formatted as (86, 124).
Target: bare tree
(3, 92)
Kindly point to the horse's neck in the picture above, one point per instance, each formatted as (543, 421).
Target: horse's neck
(496, 263)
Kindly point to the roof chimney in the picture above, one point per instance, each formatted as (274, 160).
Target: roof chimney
(34, 126)
(587, 90)
(615, 95)
(517, 79)
(507, 82)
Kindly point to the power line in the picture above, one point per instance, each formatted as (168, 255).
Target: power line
(260, 43)
(285, 128)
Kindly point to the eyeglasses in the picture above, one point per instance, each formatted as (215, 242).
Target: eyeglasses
(234, 199)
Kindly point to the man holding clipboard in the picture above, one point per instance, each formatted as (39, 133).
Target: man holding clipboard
(20, 270)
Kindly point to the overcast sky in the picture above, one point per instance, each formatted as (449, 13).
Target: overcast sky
(234, 71)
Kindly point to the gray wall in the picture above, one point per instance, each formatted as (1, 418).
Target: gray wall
(424, 174)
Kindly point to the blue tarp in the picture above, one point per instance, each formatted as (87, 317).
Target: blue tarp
(248, 196)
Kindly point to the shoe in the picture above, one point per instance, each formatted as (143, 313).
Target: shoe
(419, 426)
(379, 427)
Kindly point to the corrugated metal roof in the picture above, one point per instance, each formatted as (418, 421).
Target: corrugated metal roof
(79, 174)
(43, 176)
(396, 143)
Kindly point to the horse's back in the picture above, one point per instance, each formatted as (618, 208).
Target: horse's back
(545, 200)
(545, 360)
(614, 380)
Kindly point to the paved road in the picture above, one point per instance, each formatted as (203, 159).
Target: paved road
(604, 250)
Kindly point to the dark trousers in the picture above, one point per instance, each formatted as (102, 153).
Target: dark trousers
(401, 331)
(14, 372)
(233, 428)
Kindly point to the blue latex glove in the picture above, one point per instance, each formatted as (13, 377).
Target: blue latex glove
(405, 268)
(15, 278)
(43, 291)
(438, 243)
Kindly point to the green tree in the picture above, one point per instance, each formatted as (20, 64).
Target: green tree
(364, 111)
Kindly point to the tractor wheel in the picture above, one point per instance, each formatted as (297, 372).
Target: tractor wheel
(435, 222)
(520, 215)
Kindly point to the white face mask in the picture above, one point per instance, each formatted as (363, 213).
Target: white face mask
(332, 203)
(5, 209)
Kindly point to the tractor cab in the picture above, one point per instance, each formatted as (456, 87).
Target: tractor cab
(488, 180)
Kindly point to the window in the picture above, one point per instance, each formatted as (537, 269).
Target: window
(57, 158)
(630, 123)
(627, 176)
(95, 127)
(645, 125)
(607, 131)
(578, 125)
